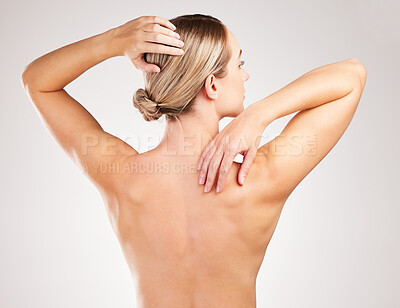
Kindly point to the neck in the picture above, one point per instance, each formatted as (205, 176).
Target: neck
(189, 134)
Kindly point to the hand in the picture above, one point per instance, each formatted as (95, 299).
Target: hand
(239, 136)
(147, 34)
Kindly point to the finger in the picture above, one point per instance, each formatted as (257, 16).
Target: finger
(146, 67)
(159, 48)
(213, 168)
(203, 155)
(162, 21)
(160, 29)
(224, 170)
(206, 162)
(245, 167)
(155, 37)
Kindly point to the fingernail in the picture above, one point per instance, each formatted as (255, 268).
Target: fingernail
(200, 180)
(218, 188)
(177, 35)
(206, 188)
(242, 179)
(156, 70)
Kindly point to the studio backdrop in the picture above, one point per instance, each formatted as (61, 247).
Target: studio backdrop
(337, 241)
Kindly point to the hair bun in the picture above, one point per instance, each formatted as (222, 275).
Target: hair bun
(146, 106)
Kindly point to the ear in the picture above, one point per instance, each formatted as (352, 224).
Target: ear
(211, 87)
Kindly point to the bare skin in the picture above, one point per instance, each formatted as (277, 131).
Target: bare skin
(186, 247)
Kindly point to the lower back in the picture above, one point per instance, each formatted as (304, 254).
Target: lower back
(187, 248)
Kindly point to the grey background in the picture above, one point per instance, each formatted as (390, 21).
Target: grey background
(337, 241)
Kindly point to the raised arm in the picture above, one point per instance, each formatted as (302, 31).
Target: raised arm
(71, 125)
(326, 98)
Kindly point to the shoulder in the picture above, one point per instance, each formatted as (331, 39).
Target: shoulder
(117, 172)
(262, 177)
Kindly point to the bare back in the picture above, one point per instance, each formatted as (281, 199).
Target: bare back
(187, 248)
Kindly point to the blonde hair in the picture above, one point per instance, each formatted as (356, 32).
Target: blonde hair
(173, 90)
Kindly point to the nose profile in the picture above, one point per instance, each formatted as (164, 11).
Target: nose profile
(247, 76)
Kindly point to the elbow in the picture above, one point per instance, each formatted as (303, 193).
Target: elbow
(360, 69)
(26, 76)
(24, 79)
(363, 75)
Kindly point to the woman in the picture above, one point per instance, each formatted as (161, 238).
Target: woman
(186, 247)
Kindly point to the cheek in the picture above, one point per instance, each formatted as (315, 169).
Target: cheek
(239, 78)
